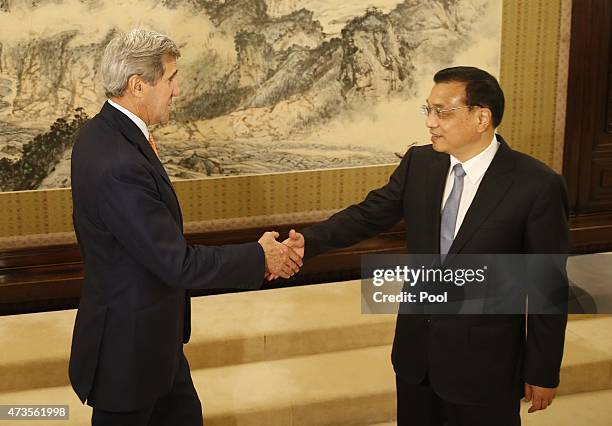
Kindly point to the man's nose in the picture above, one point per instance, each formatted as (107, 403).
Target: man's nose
(431, 121)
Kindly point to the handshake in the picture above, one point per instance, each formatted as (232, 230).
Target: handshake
(282, 259)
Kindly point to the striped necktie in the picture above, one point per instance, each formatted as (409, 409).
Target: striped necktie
(153, 146)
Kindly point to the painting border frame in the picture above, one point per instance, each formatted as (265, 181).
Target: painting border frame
(531, 31)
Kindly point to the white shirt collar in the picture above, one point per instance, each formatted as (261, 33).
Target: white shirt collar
(476, 166)
(137, 120)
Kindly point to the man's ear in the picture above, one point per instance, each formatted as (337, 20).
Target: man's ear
(136, 86)
(485, 118)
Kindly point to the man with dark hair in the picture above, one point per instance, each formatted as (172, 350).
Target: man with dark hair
(468, 192)
(481, 89)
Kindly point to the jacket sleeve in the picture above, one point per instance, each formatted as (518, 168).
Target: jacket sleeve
(130, 207)
(548, 233)
(381, 209)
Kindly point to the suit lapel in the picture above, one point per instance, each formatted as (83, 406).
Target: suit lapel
(495, 183)
(132, 133)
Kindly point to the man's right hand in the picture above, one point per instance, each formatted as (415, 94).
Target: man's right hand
(297, 243)
(280, 259)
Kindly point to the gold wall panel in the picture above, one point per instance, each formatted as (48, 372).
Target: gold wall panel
(35, 212)
(277, 194)
(533, 49)
(529, 74)
(249, 199)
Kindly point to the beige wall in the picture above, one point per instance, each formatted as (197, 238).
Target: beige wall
(535, 38)
(533, 73)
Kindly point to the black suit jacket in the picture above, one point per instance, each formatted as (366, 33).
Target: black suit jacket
(134, 312)
(520, 207)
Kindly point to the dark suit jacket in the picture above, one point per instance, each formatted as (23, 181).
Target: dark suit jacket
(520, 207)
(134, 312)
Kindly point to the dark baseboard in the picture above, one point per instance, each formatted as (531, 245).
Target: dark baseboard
(49, 278)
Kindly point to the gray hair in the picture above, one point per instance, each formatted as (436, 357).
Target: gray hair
(136, 52)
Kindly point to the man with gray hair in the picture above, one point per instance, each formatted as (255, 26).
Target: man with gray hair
(127, 357)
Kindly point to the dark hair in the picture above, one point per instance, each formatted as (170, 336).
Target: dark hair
(481, 88)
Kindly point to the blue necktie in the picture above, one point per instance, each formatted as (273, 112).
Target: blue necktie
(450, 210)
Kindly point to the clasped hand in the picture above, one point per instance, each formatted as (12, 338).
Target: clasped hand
(281, 259)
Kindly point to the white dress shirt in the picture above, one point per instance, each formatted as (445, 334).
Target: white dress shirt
(475, 169)
(137, 120)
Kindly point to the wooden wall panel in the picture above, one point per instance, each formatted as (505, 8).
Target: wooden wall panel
(588, 162)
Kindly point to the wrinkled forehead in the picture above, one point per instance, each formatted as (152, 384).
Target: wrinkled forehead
(447, 94)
